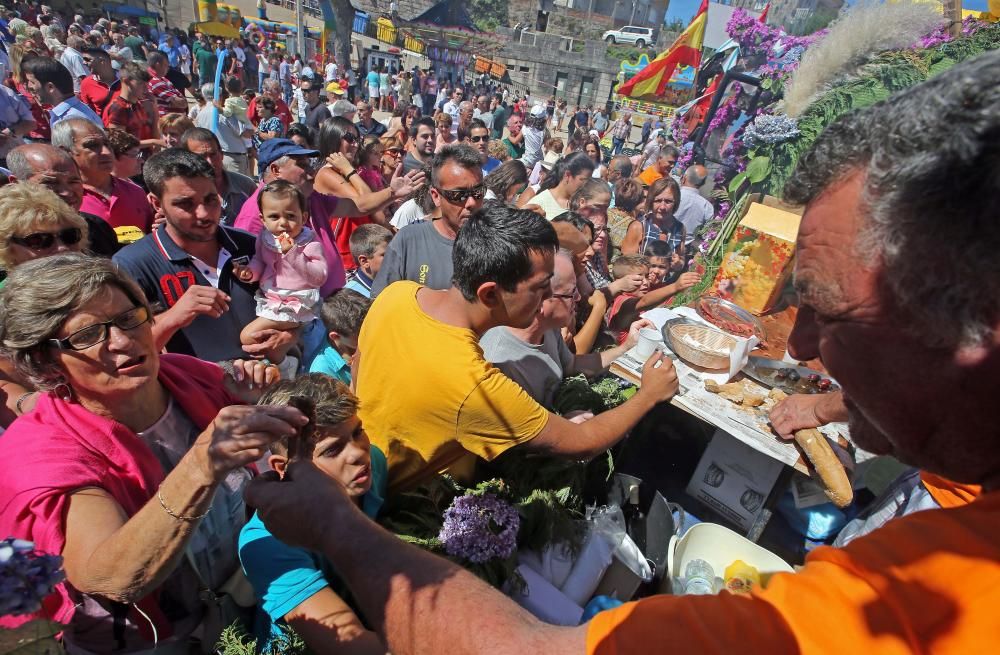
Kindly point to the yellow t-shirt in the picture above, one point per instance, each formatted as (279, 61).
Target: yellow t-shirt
(429, 399)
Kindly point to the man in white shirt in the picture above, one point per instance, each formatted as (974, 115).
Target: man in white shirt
(483, 112)
(230, 131)
(451, 108)
(694, 209)
(73, 60)
(331, 70)
(120, 53)
(52, 84)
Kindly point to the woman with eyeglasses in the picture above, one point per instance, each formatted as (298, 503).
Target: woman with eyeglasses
(658, 222)
(392, 155)
(132, 464)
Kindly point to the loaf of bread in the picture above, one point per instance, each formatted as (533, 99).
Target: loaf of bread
(828, 467)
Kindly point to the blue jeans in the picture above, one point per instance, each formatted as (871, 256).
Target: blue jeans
(616, 145)
(260, 81)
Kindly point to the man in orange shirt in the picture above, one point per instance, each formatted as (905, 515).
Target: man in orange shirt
(900, 297)
(664, 163)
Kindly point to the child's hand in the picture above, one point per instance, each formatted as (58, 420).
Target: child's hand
(242, 273)
(687, 280)
(285, 242)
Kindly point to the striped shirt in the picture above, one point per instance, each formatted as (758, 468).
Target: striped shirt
(161, 89)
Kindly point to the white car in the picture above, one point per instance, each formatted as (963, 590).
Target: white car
(638, 36)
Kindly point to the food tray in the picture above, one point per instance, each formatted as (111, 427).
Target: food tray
(710, 337)
(763, 370)
(720, 312)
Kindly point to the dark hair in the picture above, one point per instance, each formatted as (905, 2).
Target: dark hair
(281, 189)
(300, 129)
(573, 163)
(658, 249)
(511, 173)
(426, 121)
(577, 221)
(344, 312)
(96, 52)
(331, 134)
(465, 132)
(495, 245)
(628, 194)
(658, 187)
(199, 135)
(234, 85)
(174, 162)
(121, 141)
(462, 154)
(267, 103)
(47, 69)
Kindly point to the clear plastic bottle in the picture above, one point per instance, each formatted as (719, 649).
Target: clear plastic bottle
(699, 578)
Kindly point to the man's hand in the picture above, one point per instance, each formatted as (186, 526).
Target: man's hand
(626, 284)
(687, 280)
(298, 508)
(197, 301)
(241, 434)
(659, 382)
(266, 340)
(804, 411)
(404, 186)
(633, 333)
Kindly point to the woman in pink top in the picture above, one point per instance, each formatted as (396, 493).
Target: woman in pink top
(132, 464)
(289, 265)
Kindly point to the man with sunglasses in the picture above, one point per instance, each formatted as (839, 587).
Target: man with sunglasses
(53, 168)
(479, 138)
(316, 110)
(97, 89)
(368, 125)
(422, 251)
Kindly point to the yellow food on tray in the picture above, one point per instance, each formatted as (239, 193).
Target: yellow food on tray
(740, 576)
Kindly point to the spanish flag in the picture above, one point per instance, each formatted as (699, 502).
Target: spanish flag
(651, 81)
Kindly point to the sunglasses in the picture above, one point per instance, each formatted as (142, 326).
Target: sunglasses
(460, 196)
(479, 139)
(94, 334)
(45, 240)
(350, 138)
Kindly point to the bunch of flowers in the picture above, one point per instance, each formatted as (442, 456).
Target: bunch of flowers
(769, 129)
(970, 26)
(480, 528)
(26, 577)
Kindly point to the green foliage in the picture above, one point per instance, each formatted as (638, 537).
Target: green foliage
(757, 169)
(488, 14)
(630, 53)
(676, 25)
(235, 640)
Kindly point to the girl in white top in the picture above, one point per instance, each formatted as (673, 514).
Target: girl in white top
(566, 177)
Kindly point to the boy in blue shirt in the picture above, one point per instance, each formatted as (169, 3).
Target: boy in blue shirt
(342, 315)
(296, 588)
(368, 244)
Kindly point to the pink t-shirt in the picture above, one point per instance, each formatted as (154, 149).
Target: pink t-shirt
(321, 208)
(127, 205)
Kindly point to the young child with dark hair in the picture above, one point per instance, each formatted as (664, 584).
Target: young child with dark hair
(289, 264)
(626, 307)
(342, 315)
(368, 244)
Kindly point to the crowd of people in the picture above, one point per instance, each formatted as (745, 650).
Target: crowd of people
(179, 280)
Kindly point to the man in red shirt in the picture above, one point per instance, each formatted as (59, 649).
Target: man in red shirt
(272, 89)
(132, 110)
(97, 89)
(168, 99)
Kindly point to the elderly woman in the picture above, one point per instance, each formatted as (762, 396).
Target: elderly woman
(132, 464)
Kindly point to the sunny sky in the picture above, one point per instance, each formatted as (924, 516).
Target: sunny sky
(684, 9)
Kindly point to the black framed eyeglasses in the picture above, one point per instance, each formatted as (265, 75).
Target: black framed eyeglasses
(94, 334)
(460, 196)
(45, 240)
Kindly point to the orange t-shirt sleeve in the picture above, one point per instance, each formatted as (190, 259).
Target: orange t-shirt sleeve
(948, 493)
(498, 414)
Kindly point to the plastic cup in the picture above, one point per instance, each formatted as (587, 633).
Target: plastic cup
(649, 339)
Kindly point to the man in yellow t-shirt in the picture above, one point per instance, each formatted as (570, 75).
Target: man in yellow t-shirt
(430, 400)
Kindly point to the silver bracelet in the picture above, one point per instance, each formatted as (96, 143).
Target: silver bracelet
(21, 399)
(179, 517)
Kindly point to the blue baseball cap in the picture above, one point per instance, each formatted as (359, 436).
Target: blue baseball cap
(274, 149)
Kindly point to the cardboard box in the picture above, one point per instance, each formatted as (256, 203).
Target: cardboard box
(757, 262)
